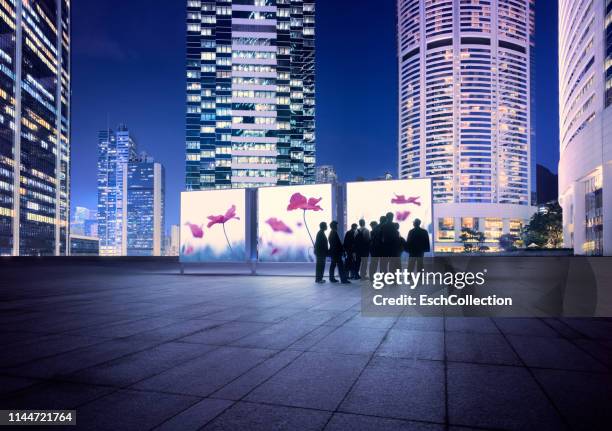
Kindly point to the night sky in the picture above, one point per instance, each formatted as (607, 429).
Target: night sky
(128, 67)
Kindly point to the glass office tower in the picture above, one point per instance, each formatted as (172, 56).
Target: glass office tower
(585, 116)
(250, 93)
(115, 150)
(144, 215)
(34, 127)
(465, 112)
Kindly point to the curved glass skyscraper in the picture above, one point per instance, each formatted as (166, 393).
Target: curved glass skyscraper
(585, 116)
(464, 112)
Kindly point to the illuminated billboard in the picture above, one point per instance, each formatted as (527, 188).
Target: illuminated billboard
(406, 199)
(288, 221)
(213, 226)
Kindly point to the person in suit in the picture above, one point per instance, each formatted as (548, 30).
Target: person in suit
(389, 243)
(373, 252)
(321, 250)
(336, 250)
(376, 264)
(417, 244)
(349, 248)
(362, 249)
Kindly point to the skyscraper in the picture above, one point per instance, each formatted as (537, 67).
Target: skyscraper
(325, 174)
(143, 215)
(34, 127)
(585, 116)
(115, 150)
(465, 112)
(250, 93)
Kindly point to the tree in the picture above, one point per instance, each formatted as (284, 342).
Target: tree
(508, 241)
(472, 240)
(545, 228)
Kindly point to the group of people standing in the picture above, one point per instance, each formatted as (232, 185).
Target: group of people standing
(364, 251)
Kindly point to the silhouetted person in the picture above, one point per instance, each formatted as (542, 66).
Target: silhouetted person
(389, 243)
(378, 246)
(336, 250)
(417, 244)
(362, 249)
(321, 250)
(349, 248)
(395, 261)
(374, 257)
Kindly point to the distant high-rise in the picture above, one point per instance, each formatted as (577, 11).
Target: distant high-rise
(465, 112)
(143, 215)
(250, 93)
(34, 127)
(326, 174)
(115, 150)
(84, 222)
(585, 116)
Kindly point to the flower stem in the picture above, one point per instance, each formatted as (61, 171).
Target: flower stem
(308, 230)
(227, 239)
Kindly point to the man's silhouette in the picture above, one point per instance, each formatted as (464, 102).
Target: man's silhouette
(374, 256)
(336, 250)
(321, 250)
(389, 243)
(349, 248)
(417, 244)
(362, 249)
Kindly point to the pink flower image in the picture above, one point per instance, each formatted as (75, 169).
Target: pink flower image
(222, 219)
(230, 214)
(401, 199)
(275, 251)
(188, 250)
(278, 225)
(196, 230)
(299, 202)
(402, 215)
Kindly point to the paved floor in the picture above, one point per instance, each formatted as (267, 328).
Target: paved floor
(139, 347)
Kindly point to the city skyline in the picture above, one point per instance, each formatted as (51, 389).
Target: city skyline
(348, 121)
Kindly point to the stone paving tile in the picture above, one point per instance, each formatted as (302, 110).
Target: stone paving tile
(413, 345)
(478, 325)
(53, 395)
(204, 375)
(258, 417)
(66, 363)
(601, 351)
(240, 387)
(131, 410)
(399, 388)
(196, 416)
(277, 336)
(501, 397)
(420, 323)
(314, 380)
(522, 326)
(584, 399)
(224, 333)
(592, 328)
(30, 350)
(479, 348)
(11, 384)
(547, 352)
(351, 341)
(176, 330)
(138, 366)
(344, 421)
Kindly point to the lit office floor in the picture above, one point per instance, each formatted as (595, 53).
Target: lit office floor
(133, 346)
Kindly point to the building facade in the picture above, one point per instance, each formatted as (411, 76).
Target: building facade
(465, 112)
(585, 116)
(34, 127)
(83, 245)
(115, 150)
(143, 214)
(250, 117)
